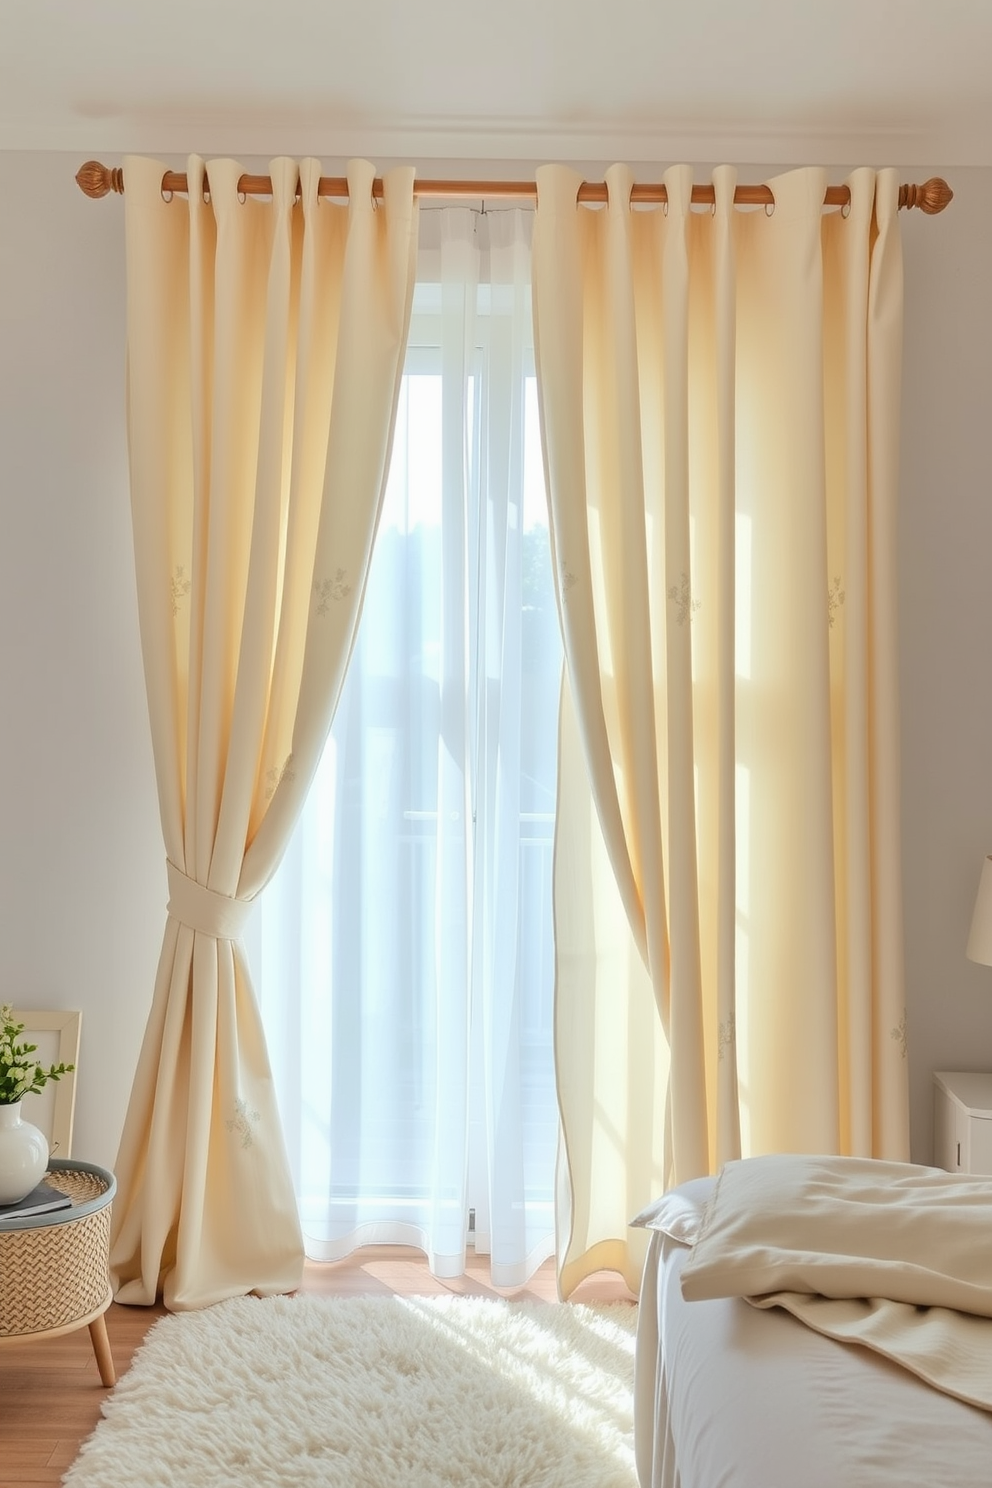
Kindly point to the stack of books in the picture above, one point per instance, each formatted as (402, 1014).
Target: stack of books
(41, 1200)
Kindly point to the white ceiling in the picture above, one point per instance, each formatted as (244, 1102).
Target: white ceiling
(900, 82)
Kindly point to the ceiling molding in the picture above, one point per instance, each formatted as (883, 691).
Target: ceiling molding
(496, 141)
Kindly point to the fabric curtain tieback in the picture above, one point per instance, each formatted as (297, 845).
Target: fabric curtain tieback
(203, 909)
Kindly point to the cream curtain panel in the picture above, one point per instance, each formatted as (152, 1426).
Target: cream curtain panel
(720, 395)
(265, 348)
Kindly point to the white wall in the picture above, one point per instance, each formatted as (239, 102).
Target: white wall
(82, 880)
(945, 558)
(82, 875)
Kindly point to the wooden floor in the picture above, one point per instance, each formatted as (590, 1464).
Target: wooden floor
(50, 1391)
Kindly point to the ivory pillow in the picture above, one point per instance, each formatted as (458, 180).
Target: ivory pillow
(679, 1212)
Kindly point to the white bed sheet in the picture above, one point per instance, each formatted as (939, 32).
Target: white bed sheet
(728, 1396)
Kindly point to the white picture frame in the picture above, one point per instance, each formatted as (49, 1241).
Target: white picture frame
(56, 1035)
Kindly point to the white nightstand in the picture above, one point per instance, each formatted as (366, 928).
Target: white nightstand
(962, 1121)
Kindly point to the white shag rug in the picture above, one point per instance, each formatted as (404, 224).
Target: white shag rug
(373, 1392)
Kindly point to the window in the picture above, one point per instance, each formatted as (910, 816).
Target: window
(406, 956)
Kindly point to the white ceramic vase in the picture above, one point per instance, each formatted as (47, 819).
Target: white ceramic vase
(23, 1155)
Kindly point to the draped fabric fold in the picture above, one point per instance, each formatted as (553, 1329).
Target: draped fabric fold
(719, 397)
(265, 348)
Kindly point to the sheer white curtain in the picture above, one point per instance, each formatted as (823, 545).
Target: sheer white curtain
(404, 950)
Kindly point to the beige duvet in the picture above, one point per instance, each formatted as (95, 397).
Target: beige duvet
(894, 1257)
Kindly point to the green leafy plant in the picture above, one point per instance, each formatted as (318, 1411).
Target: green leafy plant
(20, 1072)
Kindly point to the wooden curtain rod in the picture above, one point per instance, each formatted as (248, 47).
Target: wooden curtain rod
(97, 180)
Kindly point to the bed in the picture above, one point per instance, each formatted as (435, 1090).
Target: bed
(734, 1395)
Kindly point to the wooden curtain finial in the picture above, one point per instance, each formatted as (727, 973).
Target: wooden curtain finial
(97, 180)
(932, 197)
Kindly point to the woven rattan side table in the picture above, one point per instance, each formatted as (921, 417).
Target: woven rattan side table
(53, 1267)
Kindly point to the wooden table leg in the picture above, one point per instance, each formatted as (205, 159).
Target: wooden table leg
(101, 1347)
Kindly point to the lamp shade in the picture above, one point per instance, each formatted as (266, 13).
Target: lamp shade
(980, 939)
